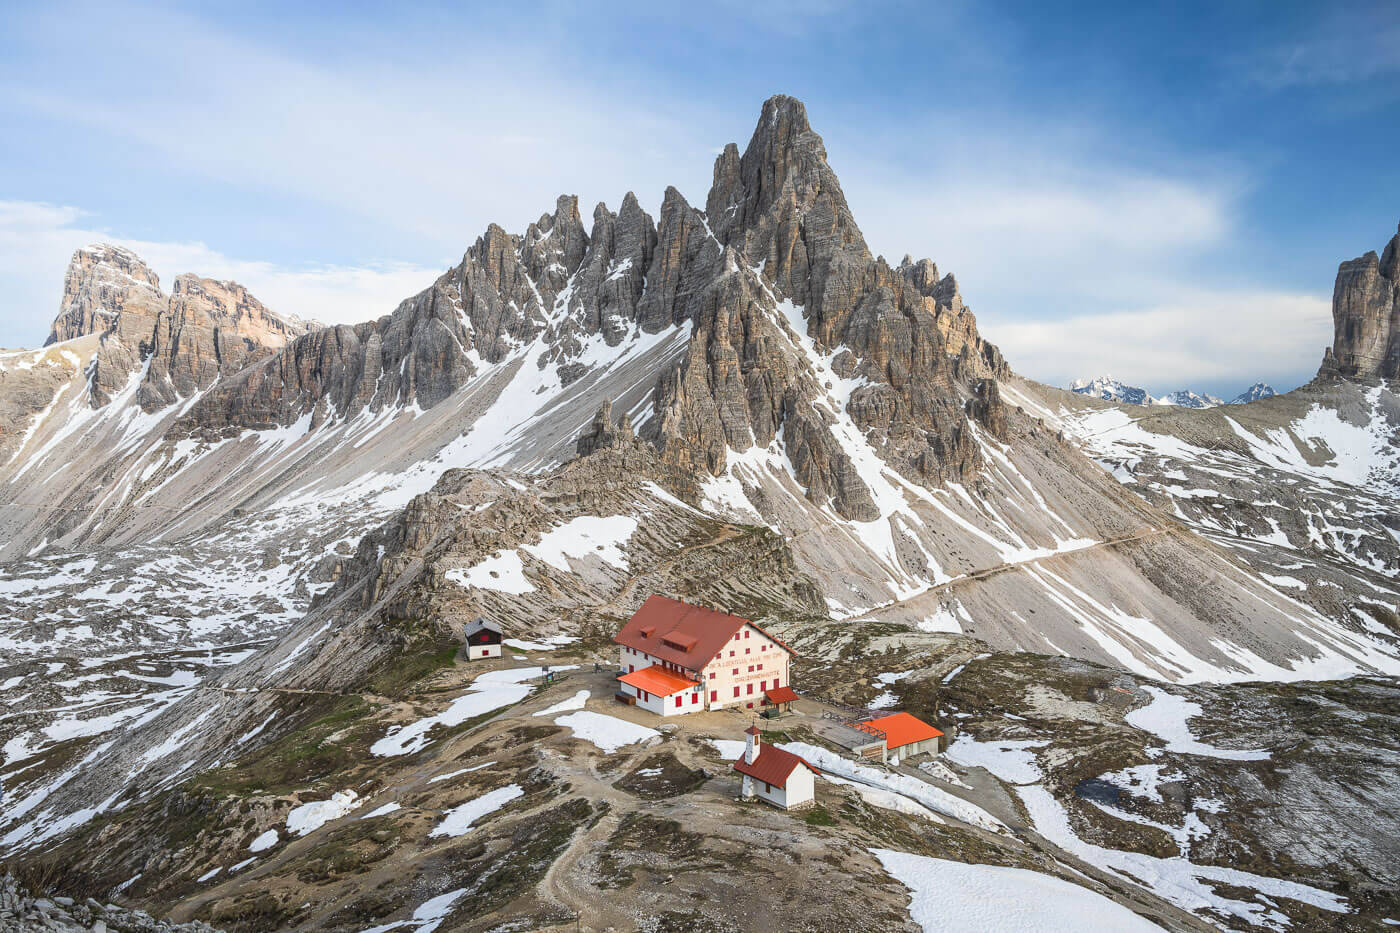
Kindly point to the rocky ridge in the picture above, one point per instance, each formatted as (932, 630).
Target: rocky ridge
(181, 343)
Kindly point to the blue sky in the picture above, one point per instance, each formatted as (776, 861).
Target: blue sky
(1163, 194)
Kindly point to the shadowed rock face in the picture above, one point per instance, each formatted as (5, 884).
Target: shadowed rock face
(203, 330)
(1366, 316)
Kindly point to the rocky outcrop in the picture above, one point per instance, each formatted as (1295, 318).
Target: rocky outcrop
(1366, 317)
(19, 910)
(185, 341)
(602, 433)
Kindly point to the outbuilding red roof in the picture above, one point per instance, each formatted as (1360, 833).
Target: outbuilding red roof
(780, 694)
(902, 729)
(772, 766)
(657, 680)
(686, 635)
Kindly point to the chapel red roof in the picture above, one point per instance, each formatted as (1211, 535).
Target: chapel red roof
(657, 680)
(686, 635)
(772, 766)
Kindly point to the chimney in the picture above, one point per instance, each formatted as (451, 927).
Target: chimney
(752, 743)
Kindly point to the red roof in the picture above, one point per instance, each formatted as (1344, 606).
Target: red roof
(657, 680)
(686, 635)
(902, 729)
(772, 766)
(780, 695)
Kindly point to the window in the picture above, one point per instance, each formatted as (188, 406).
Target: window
(714, 696)
(775, 683)
(760, 667)
(631, 668)
(731, 652)
(694, 698)
(736, 689)
(750, 668)
(736, 672)
(746, 633)
(767, 788)
(679, 698)
(762, 647)
(748, 651)
(712, 675)
(750, 686)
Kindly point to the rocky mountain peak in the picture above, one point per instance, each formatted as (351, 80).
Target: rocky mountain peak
(203, 329)
(781, 205)
(102, 282)
(1366, 317)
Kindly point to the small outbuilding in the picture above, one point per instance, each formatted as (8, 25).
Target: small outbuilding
(906, 735)
(483, 639)
(778, 700)
(773, 775)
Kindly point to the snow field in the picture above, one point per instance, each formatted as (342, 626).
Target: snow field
(563, 706)
(459, 820)
(607, 732)
(310, 817)
(490, 691)
(1166, 717)
(917, 791)
(1008, 759)
(955, 897)
(1178, 880)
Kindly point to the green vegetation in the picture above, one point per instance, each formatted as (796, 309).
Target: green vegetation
(416, 663)
(818, 816)
(302, 756)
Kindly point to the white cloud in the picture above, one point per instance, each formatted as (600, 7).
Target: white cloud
(37, 241)
(1079, 268)
(435, 150)
(1196, 340)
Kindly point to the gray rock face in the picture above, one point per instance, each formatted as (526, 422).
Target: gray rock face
(776, 229)
(203, 330)
(1366, 317)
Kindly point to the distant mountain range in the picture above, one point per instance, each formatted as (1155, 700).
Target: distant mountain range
(1111, 390)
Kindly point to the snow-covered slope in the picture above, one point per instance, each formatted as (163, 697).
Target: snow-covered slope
(1302, 487)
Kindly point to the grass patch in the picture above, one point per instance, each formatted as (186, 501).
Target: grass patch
(302, 756)
(411, 667)
(818, 816)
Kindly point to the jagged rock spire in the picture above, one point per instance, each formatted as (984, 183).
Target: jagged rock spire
(781, 205)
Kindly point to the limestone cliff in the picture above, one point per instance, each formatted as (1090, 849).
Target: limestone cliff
(203, 330)
(1366, 317)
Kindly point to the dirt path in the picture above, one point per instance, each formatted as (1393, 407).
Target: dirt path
(973, 576)
(726, 532)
